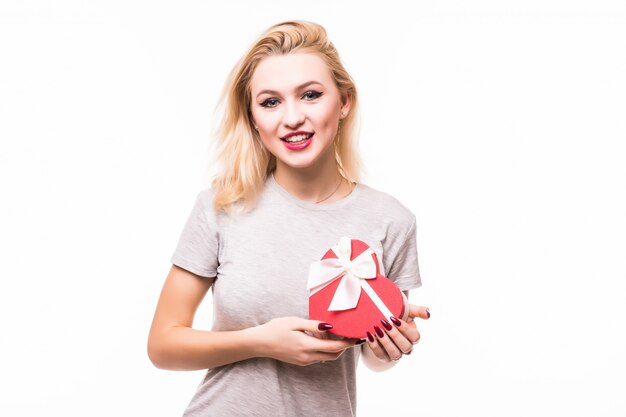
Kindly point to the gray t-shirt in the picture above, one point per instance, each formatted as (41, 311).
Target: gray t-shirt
(261, 260)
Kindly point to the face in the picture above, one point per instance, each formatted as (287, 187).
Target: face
(296, 106)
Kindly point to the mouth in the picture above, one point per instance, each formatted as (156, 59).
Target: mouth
(297, 137)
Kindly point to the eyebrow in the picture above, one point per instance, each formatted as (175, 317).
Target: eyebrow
(301, 86)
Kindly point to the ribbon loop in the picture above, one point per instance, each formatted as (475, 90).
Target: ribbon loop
(351, 272)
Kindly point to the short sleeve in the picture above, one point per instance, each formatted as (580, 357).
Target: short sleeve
(198, 245)
(404, 269)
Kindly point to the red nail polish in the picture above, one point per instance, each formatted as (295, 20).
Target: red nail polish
(325, 326)
(395, 321)
(360, 342)
(428, 313)
(379, 331)
(370, 337)
(386, 324)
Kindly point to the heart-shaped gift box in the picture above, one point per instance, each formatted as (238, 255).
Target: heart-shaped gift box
(347, 290)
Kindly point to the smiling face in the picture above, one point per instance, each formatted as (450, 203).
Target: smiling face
(296, 107)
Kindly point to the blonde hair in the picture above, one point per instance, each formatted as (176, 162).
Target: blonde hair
(242, 161)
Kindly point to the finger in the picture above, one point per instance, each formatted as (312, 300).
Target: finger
(408, 329)
(387, 344)
(315, 327)
(376, 347)
(332, 346)
(321, 357)
(311, 358)
(397, 337)
(419, 311)
(352, 342)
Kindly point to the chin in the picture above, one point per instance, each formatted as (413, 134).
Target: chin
(298, 165)
(304, 159)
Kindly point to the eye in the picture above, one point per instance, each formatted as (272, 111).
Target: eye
(270, 102)
(311, 95)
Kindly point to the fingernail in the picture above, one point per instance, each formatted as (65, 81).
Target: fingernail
(428, 313)
(325, 326)
(360, 342)
(386, 324)
(395, 321)
(379, 331)
(409, 352)
(370, 337)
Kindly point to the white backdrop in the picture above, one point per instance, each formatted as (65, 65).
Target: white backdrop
(499, 123)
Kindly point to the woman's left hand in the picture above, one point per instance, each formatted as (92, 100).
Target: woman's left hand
(392, 338)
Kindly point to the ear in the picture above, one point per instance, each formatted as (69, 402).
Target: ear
(346, 101)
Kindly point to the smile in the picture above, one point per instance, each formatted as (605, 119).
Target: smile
(296, 137)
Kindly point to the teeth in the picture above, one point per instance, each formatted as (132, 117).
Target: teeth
(297, 138)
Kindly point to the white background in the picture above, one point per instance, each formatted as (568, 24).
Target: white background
(500, 124)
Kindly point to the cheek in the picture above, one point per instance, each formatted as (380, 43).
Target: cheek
(268, 130)
(265, 122)
(326, 117)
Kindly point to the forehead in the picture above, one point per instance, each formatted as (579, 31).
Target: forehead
(285, 72)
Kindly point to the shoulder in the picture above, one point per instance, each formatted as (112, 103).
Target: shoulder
(206, 196)
(204, 206)
(205, 201)
(387, 207)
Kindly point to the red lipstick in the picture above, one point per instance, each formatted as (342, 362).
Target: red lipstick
(298, 132)
(299, 145)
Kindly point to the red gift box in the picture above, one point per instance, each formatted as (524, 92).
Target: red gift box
(348, 291)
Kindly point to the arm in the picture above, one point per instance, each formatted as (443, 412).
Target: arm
(383, 352)
(173, 344)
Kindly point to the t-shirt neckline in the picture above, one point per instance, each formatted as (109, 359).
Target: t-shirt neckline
(307, 204)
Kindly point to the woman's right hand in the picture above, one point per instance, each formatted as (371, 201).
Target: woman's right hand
(284, 339)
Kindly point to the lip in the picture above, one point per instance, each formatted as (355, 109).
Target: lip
(298, 146)
(299, 132)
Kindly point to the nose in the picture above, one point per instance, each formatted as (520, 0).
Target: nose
(293, 115)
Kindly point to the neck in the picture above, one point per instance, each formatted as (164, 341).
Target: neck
(313, 185)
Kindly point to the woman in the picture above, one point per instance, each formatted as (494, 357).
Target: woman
(286, 190)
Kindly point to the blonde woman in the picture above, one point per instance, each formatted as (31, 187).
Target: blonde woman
(286, 189)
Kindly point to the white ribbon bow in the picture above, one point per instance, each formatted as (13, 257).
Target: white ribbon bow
(354, 273)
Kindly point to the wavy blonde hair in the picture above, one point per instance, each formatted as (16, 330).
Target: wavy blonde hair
(242, 162)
